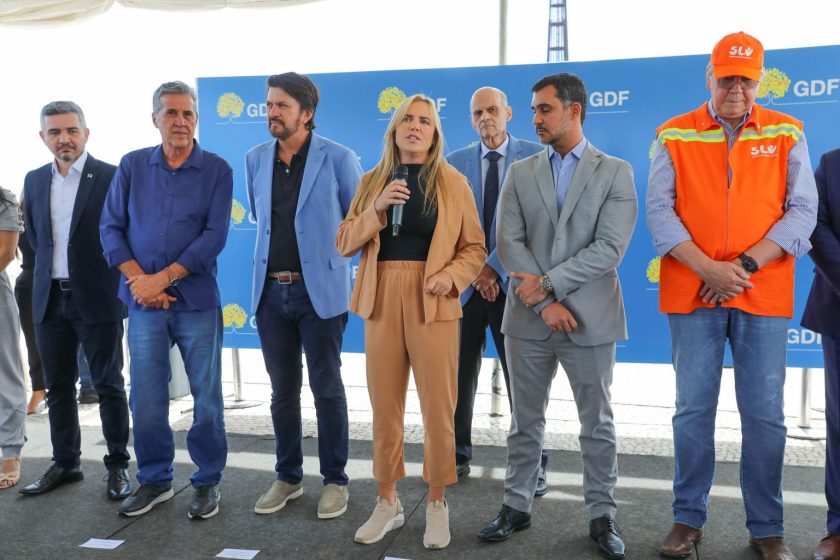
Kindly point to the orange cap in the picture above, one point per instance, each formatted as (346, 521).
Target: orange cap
(738, 54)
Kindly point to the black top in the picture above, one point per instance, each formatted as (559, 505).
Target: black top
(417, 228)
(283, 251)
(27, 264)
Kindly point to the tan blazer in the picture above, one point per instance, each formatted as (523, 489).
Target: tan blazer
(457, 247)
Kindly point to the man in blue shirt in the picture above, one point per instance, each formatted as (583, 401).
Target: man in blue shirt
(164, 223)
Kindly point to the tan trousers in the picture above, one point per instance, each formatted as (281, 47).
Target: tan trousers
(396, 337)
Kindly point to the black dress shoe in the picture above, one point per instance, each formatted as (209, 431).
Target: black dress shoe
(52, 479)
(205, 502)
(606, 533)
(508, 521)
(88, 397)
(542, 483)
(119, 484)
(462, 469)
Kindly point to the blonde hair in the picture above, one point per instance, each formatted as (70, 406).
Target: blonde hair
(430, 174)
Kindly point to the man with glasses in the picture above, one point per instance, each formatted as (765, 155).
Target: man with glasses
(731, 203)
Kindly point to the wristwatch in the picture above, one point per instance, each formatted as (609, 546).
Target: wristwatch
(748, 263)
(173, 280)
(545, 283)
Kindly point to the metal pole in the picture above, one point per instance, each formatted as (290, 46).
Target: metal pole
(496, 390)
(803, 429)
(805, 400)
(503, 16)
(238, 401)
(237, 374)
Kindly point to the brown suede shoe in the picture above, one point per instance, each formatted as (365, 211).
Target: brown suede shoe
(828, 548)
(680, 541)
(772, 548)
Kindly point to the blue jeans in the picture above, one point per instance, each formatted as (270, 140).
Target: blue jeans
(198, 334)
(286, 321)
(758, 354)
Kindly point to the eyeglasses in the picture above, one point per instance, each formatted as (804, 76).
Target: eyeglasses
(729, 82)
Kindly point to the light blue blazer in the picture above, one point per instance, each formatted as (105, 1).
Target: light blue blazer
(468, 161)
(330, 178)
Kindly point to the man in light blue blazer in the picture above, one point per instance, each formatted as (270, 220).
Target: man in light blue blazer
(485, 164)
(300, 186)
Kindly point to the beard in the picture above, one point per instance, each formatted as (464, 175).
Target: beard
(73, 155)
(285, 132)
(565, 127)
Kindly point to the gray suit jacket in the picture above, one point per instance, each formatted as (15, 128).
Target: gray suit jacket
(579, 249)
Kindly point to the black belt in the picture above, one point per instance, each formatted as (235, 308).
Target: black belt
(285, 276)
(62, 284)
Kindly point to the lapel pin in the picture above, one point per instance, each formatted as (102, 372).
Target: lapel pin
(90, 175)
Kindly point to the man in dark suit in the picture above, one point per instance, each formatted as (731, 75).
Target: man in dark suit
(74, 298)
(485, 165)
(820, 315)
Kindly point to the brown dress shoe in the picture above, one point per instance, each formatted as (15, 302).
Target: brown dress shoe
(680, 541)
(828, 548)
(772, 548)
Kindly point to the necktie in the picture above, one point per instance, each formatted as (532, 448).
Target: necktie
(491, 194)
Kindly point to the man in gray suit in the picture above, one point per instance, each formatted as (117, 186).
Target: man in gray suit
(580, 208)
(485, 165)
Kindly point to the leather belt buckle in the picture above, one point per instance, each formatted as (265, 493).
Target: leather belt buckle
(63, 284)
(284, 277)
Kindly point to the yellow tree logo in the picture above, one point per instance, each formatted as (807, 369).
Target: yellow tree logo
(774, 85)
(237, 212)
(230, 105)
(652, 149)
(233, 317)
(389, 99)
(652, 271)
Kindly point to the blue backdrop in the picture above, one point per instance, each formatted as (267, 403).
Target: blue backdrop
(628, 99)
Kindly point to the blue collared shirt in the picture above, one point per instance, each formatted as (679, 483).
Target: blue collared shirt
(158, 215)
(791, 232)
(563, 168)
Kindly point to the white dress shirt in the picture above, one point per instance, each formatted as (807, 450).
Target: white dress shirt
(63, 192)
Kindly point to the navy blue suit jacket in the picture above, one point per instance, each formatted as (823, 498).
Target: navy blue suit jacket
(823, 307)
(93, 282)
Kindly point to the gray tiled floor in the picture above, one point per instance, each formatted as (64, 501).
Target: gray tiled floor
(53, 526)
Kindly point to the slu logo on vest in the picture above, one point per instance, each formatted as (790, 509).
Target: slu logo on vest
(764, 151)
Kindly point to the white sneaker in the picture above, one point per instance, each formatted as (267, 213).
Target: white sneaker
(333, 501)
(385, 517)
(277, 496)
(437, 525)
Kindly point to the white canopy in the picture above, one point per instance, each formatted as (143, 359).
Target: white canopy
(45, 12)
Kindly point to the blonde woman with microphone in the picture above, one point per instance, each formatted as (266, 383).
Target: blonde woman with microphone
(407, 291)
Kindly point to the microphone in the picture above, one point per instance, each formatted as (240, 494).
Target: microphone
(401, 173)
